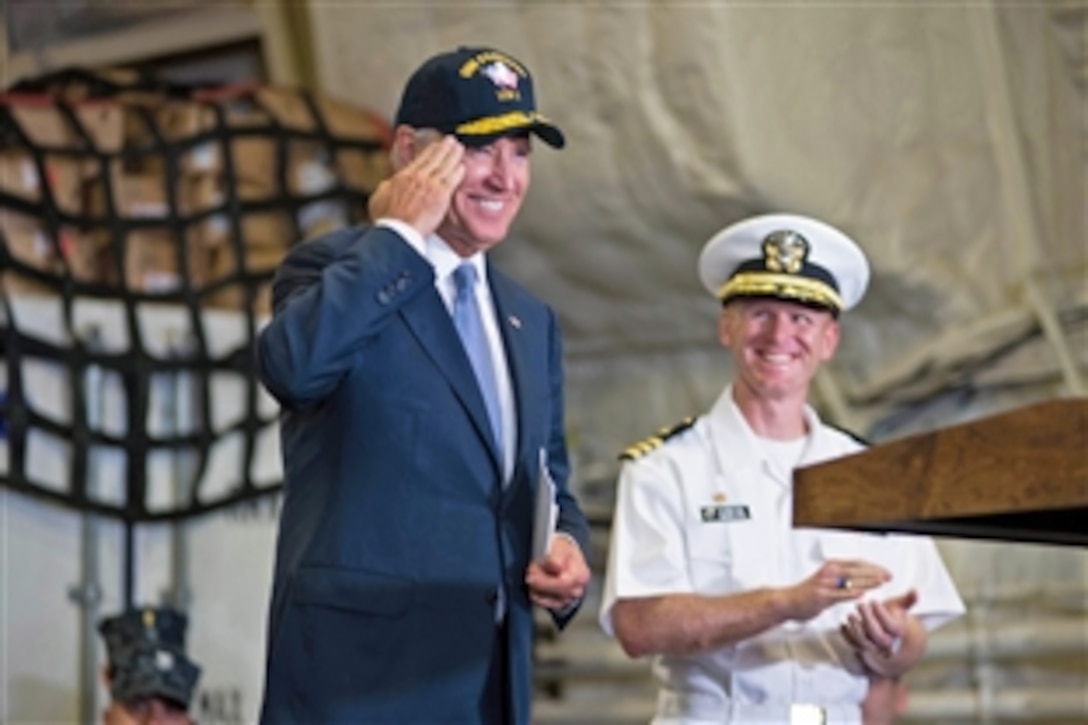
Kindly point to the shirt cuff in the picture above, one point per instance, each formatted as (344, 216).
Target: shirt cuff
(570, 537)
(406, 231)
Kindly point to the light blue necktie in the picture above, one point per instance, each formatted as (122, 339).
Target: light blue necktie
(469, 324)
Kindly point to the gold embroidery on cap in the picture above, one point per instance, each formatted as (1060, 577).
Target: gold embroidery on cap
(762, 284)
(473, 64)
(498, 124)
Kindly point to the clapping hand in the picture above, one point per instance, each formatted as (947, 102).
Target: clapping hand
(876, 629)
(838, 580)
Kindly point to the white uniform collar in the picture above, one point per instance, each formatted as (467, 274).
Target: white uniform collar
(737, 445)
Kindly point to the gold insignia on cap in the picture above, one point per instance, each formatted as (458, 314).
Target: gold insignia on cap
(785, 286)
(785, 251)
(487, 57)
(719, 497)
(784, 255)
(149, 619)
(644, 446)
(499, 124)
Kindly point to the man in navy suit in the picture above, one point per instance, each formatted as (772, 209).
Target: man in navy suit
(413, 451)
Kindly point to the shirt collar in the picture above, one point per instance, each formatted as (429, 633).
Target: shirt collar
(735, 440)
(445, 260)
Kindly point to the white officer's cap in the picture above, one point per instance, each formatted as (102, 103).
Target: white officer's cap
(785, 256)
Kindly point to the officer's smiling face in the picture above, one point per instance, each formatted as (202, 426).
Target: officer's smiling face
(777, 346)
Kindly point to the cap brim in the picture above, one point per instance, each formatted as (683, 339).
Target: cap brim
(549, 134)
(485, 131)
(137, 675)
(136, 687)
(798, 296)
(546, 133)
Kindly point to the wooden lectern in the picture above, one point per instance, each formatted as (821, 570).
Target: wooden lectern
(1020, 476)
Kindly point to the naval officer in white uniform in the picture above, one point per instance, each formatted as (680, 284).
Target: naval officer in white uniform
(747, 619)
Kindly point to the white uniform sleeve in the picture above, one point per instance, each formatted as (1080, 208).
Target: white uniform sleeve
(647, 555)
(938, 601)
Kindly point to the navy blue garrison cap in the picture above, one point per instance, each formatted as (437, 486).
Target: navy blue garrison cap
(146, 649)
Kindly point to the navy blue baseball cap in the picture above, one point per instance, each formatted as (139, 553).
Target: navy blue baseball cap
(476, 94)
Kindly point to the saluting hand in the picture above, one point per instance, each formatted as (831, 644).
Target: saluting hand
(560, 579)
(419, 193)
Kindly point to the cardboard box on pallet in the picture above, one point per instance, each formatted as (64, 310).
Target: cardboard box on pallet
(156, 260)
(275, 121)
(307, 167)
(258, 130)
(262, 230)
(254, 271)
(26, 244)
(267, 228)
(152, 234)
(60, 145)
(293, 109)
(85, 256)
(22, 177)
(151, 257)
(60, 254)
(360, 170)
(183, 128)
(79, 129)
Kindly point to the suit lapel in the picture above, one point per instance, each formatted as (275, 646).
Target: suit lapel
(432, 326)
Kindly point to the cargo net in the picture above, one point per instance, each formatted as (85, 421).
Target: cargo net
(140, 224)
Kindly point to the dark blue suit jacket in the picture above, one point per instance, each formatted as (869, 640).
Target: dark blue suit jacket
(396, 532)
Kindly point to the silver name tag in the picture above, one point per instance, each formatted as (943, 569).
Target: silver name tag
(724, 513)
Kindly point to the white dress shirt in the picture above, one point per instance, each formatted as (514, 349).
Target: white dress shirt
(444, 260)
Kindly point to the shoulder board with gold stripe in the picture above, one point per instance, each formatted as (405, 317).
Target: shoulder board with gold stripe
(644, 446)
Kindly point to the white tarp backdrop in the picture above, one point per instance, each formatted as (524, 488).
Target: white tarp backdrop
(948, 138)
(891, 120)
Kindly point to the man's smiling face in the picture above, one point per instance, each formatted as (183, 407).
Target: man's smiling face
(777, 346)
(487, 201)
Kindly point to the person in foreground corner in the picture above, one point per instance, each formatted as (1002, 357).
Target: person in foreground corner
(749, 620)
(422, 406)
(150, 677)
